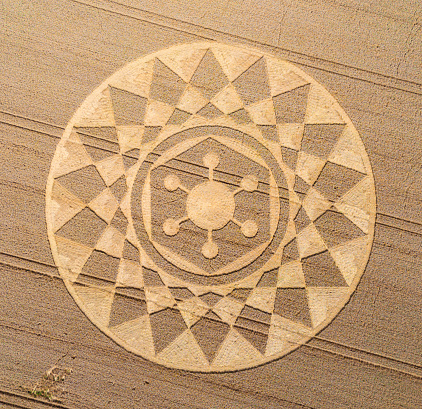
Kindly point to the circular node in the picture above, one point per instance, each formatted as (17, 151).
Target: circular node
(249, 228)
(171, 182)
(249, 183)
(211, 160)
(171, 227)
(209, 250)
(210, 205)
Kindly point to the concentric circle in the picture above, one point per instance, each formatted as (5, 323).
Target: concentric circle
(210, 207)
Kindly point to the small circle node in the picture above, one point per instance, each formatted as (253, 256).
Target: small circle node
(209, 250)
(171, 227)
(211, 160)
(249, 183)
(249, 228)
(171, 182)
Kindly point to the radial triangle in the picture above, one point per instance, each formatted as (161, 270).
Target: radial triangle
(310, 242)
(209, 77)
(262, 113)
(181, 293)
(292, 303)
(240, 116)
(301, 220)
(257, 339)
(252, 85)
(192, 310)
(157, 113)
(315, 204)
(70, 157)
(320, 270)
(105, 205)
(254, 325)
(240, 294)
(234, 62)
(166, 85)
(96, 303)
(85, 183)
(319, 139)
(192, 100)
(290, 135)
(120, 222)
(85, 228)
(137, 78)
(284, 335)
(269, 132)
(336, 180)
(290, 251)
(137, 334)
(186, 351)
(72, 257)
(209, 334)
(130, 252)
(150, 133)
(268, 279)
(210, 298)
(185, 62)
(178, 117)
(262, 298)
(166, 326)
(130, 274)
(281, 78)
(300, 187)
(290, 106)
(101, 266)
(309, 167)
(111, 169)
(322, 108)
(129, 137)
(227, 100)
(126, 307)
(129, 109)
(152, 278)
(119, 188)
(98, 112)
(158, 298)
(111, 242)
(350, 257)
(236, 351)
(290, 275)
(358, 204)
(289, 157)
(322, 301)
(348, 150)
(228, 309)
(335, 228)
(210, 111)
(64, 205)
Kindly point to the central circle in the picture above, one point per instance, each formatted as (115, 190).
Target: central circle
(210, 205)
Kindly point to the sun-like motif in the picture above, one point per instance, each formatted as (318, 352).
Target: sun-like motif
(210, 207)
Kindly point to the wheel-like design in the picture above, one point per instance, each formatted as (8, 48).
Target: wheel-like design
(210, 207)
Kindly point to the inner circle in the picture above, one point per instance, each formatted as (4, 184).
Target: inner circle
(210, 205)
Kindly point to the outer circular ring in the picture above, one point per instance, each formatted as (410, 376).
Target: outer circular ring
(321, 97)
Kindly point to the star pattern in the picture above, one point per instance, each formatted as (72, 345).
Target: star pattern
(329, 196)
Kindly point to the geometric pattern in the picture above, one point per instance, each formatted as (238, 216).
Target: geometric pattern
(210, 207)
